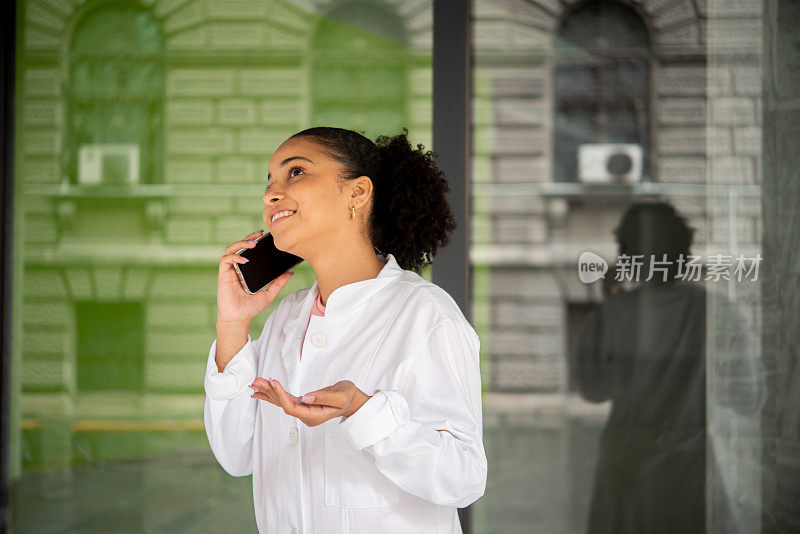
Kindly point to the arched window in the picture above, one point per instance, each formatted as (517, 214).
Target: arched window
(115, 93)
(601, 83)
(360, 61)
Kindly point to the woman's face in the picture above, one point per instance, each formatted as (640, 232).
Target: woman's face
(303, 179)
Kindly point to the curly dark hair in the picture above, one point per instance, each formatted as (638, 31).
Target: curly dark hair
(410, 216)
(654, 228)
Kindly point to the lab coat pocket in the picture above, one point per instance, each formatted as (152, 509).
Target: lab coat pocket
(351, 478)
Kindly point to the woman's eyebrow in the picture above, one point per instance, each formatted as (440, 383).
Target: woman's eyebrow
(287, 160)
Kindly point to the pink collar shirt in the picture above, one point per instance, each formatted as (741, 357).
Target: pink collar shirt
(318, 309)
(406, 460)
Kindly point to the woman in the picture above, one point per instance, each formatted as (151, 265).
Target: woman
(644, 349)
(366, 409)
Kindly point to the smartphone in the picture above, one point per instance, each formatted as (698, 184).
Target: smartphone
(266, 264)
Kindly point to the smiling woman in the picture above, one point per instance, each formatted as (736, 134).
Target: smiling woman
(388, 389)
(336, 173)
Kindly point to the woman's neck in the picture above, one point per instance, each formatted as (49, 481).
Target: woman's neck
(337, 269)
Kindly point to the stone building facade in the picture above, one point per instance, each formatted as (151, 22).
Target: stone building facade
(118, 284)
(118, 280)
(703, 136)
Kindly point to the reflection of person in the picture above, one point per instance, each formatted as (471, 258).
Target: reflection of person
(391, 439)
(644, 350)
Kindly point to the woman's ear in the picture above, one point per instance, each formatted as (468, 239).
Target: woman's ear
(362, 190)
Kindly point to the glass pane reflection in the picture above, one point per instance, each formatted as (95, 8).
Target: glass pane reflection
(632, 405)
(145, 132)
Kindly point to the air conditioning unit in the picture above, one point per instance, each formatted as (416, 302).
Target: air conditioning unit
(609, 163)
(108, 164)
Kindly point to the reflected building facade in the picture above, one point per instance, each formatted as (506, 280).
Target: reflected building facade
(145, 127)
(145, 131)
(565, 89)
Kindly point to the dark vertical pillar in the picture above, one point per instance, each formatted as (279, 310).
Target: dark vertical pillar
(781, 282)
(452, 86)
(7, 70)
(451, 138)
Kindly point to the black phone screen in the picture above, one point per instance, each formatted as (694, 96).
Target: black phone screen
(266, 263)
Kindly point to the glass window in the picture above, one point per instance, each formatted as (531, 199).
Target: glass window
(637, 328)
(110, 346)
(601, 82)
(115, 92)
(361, 62)
(616, 401)
(145, 131)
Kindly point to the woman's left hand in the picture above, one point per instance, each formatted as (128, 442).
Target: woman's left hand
(315, 407)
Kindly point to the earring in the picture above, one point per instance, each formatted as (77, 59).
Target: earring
(353, 212)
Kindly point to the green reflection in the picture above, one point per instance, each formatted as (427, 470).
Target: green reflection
(143, 138)
(110, 342)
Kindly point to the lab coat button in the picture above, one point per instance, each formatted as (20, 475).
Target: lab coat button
(293, 435)
(318, 339)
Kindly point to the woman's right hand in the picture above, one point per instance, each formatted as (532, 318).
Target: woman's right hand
(234, 304)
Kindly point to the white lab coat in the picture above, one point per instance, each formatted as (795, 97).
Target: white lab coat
(406, 459)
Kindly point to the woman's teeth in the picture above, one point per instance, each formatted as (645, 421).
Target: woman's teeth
(281, 215)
